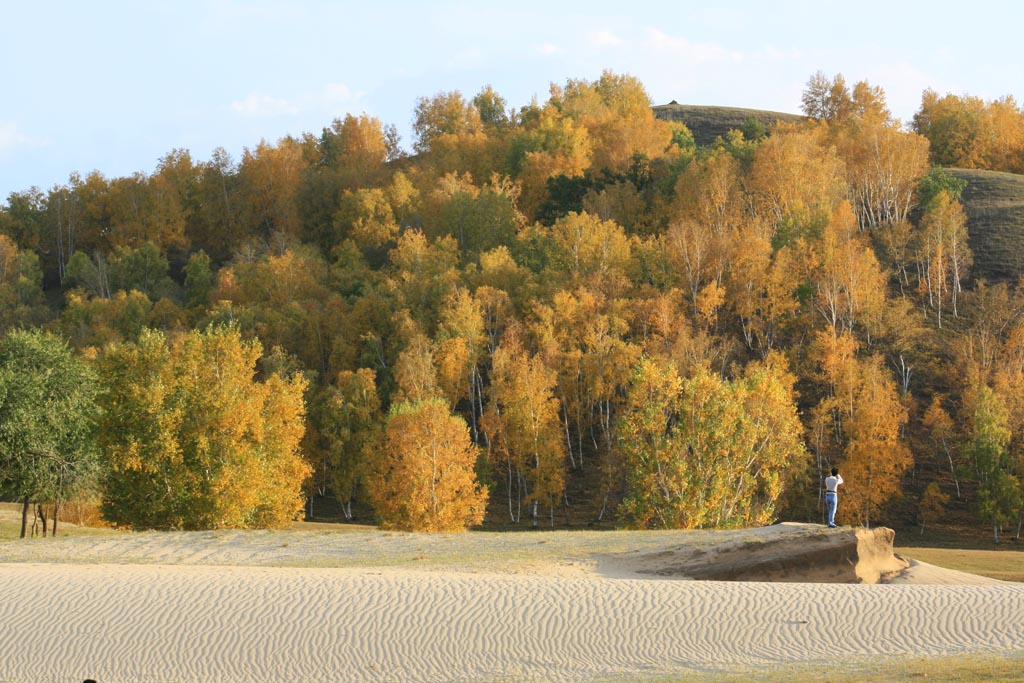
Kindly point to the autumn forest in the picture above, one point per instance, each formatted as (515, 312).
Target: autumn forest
(563, 314)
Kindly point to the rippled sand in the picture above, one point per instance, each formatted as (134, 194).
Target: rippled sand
(202, 622)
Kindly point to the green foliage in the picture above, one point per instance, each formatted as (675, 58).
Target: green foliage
(144, 269)
(199, 280)
(349, 424)
(939, 180)
(999, 500)
(48, 413)
(23, 217)
(565, 196)
(84, 273)
(990, 433)
(21, 287)
(753, 129)
(999, 494)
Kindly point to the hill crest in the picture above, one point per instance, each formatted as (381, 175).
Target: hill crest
(709, 122)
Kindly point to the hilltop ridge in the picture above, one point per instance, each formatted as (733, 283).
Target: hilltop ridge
(709, 122)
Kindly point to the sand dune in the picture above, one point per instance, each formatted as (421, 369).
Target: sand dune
(202, 622)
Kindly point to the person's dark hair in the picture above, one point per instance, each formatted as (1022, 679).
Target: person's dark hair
(835, 471)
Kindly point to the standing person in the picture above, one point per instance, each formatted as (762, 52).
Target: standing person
(831, 496)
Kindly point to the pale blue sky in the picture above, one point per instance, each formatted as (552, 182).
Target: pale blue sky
(113, 86)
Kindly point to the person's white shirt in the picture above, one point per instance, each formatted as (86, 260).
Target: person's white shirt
(832, 483)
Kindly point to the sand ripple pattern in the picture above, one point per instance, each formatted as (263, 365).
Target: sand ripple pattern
(157, 623)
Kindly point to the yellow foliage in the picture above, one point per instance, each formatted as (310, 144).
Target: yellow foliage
(422, 479)
(194, 442)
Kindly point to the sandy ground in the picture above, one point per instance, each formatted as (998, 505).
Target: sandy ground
(558, 606)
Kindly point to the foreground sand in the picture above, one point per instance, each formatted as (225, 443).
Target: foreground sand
(568, 613)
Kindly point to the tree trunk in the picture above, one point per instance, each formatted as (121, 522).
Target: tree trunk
(952, 471)
(24, 517)
(42, 516)
(56, 511)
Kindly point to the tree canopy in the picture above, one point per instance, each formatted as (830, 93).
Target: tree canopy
(566, 308)
(48, 412)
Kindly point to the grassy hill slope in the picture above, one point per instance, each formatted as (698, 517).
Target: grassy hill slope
(994, 202)
(707, 123)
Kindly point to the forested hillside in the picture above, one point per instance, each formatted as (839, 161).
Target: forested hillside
(559, 314)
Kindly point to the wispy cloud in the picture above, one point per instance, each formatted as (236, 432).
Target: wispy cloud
(689, 51)
(547, 49)
(12, 137)
(263, 106)
(337, 94)
(604, 38)
(331, 97)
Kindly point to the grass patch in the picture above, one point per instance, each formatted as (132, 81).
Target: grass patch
(708, 123)
(10, 525)
(994, 202)
(1005, 565)
(996, 668)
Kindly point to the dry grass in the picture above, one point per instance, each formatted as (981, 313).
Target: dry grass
(341, 545)
(994, 202)
(996, 668)
(1005, 565)
(75, 523)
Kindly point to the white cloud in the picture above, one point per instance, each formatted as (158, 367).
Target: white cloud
(604, 38)
(332, 97)
(12, 137)
(263, 106)
(547, 49)
(338, 94)
(690, 52)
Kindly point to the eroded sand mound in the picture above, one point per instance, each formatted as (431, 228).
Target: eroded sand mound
(801, 553)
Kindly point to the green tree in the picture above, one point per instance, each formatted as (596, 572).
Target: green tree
(199, 280)
(999, 491)
(21, 287)
(23, 218)
(48, 412)
(144, 269)
(347, 427)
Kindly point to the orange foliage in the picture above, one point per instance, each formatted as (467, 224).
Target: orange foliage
(422, 478)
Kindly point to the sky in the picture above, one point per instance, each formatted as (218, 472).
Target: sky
(115, 86)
